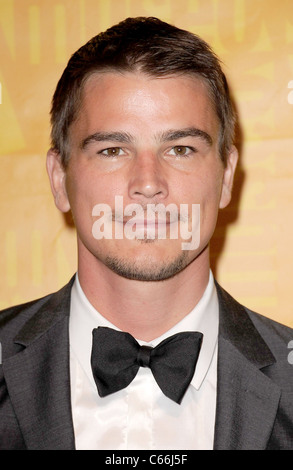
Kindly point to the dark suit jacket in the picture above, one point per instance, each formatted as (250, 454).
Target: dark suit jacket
(255, 378)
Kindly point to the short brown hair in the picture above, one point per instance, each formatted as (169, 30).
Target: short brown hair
(141, 44)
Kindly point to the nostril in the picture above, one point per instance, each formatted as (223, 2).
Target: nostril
(148, 190)
(148, 193)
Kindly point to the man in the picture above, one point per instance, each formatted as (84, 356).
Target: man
(142, 136)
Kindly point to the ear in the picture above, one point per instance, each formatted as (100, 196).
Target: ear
(57, 176)
(228, 178)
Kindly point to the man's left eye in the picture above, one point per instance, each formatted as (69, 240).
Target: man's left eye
(180, 151)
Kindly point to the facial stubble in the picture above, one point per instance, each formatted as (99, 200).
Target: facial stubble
(130, 269)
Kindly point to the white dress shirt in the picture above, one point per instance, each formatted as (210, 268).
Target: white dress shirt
(141, 417)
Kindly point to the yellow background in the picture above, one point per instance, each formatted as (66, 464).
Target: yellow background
(252, 254)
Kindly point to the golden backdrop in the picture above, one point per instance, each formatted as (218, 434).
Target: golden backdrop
(252, 254)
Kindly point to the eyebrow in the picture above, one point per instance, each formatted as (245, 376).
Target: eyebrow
(175, 134)
(121, 137)
(166, 136)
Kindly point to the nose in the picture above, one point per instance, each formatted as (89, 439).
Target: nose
(147, 180)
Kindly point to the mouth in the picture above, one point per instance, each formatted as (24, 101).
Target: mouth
(134, 224)
(148, 228)
(144, 223)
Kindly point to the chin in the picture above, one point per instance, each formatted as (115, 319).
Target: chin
(149, 269)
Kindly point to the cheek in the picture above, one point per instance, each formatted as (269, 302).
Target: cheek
(79, 190)
(206, 191)
(86, 188)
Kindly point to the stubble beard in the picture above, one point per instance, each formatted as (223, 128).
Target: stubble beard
(147, 272)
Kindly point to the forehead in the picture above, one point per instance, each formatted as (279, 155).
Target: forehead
(111, 82)
(121, 100)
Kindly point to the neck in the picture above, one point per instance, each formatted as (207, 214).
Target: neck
(144, 309)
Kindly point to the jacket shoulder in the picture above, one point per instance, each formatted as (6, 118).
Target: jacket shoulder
(261, 339)
(12, 319)
(30, 316)
(271, 327)
(277, 335)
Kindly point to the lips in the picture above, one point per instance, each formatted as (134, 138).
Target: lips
(147, 222)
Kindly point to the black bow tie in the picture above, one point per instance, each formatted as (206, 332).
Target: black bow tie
(117, 356)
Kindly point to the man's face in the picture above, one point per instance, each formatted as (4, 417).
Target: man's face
(150, 141)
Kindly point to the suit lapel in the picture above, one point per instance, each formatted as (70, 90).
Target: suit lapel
(247, 400)
(37, 377)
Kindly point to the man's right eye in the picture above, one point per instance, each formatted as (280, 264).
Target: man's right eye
(112, 152)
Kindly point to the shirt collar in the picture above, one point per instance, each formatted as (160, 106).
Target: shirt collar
(204, 317)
